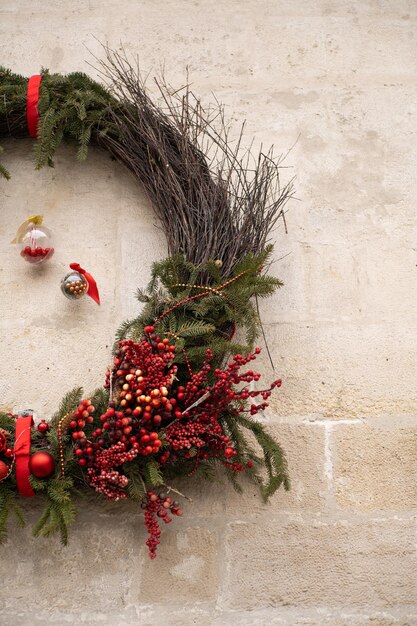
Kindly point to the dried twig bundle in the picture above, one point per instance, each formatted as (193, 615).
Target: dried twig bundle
(214, 203)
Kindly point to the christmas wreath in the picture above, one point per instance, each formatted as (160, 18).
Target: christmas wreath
(180, 398)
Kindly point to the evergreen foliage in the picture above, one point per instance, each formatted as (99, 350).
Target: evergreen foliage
(73, 108)
(59, 512)
(273, 456)
(153, 475)
(137, 485)
(199, 309)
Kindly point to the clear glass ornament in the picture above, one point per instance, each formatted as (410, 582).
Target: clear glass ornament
(36, 243)
(74, 285)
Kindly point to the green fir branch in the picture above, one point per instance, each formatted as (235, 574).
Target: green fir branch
(274, 457)
(136, 486)
(153, 475)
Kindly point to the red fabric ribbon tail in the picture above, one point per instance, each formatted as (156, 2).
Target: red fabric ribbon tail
(32, 99)
(22, 454)
(92, 290)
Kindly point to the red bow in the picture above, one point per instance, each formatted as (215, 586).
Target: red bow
(92, 290)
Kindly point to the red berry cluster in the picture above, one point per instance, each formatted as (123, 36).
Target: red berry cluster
(152, 356)
(226, 390)
(141, 379)
(188, 434)
(150, 415)
(157, 505)
(198, 427)
(34, 255)
(83, 448)
(140, 401)
(123, 426)
(104, 478)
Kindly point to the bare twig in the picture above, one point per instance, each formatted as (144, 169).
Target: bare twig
(213, 203)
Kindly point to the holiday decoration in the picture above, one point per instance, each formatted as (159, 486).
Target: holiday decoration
(79, 282)
(22, 445)
(43, 427)
(41, 464)
(157, 505)
(4, 470)
(32, 99)
(74, 285)
(181, 394)
(35, 240)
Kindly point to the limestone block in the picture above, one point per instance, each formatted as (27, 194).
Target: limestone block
(302, 564)
(146, 615)
(342, 370)
(143, 615)
(375, 465)
(92, 573)
(185, 569)
(304, 448)
(315, 617)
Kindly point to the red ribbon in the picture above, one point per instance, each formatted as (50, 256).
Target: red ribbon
(32, 98)
(22, 454)
(92, 290)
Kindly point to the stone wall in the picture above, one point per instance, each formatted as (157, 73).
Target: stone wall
(335, 81)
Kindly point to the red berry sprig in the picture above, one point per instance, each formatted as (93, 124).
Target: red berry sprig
(198, 427)
(157, 506)
(79, 419)
(102, 475)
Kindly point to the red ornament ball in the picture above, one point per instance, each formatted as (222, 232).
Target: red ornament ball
(41, 464)
(43, 427)
(4, 470)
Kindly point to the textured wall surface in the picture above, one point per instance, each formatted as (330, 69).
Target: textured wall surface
(337, 81)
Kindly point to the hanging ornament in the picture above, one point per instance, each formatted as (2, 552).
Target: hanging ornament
(43, 427)
(79, 282)
(41, 464)
(35, 240)
(4, 470)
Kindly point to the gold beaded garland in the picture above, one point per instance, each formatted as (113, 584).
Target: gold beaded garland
(61, 443)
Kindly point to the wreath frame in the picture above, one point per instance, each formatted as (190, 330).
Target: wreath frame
(217, 209)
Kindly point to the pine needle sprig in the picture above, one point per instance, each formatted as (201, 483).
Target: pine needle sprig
(274, 457)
